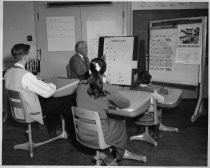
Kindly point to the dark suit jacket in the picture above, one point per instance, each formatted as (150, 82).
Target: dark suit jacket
(78, 67)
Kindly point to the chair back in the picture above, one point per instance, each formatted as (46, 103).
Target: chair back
(17, 106)
(68, 70)
(88, 120)
(152, 109)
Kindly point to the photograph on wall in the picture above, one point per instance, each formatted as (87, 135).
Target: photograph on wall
(189, 47)
(189, 35)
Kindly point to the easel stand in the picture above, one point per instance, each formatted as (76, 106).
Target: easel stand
(199, 110)
(183, 70)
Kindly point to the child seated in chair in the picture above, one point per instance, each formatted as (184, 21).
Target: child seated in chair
(96, 94)
(144, 84)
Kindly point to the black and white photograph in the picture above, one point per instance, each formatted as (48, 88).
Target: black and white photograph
(189, 35)
(104, 83)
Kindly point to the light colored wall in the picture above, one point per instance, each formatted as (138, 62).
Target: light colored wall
(168, 5)
(18, 22)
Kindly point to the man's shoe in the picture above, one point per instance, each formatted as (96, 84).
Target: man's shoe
(108, 159)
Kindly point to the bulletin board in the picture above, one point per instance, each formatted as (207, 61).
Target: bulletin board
(176, 51)
(121, 54)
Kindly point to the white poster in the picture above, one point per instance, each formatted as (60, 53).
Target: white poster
(60, 33)
(189, 44)
(118, 52)
(96, 29)
(161, 51)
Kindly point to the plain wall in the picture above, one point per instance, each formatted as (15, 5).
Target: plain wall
(18, 23)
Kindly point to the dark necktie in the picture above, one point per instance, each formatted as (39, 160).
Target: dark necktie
(86, 61)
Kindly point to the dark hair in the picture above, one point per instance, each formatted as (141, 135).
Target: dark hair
(95, 80)
(101, 63)
(144, 77)
(19, 50)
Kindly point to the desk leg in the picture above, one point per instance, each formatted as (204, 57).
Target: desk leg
(199, 110)
(133, 156)
(166, 128)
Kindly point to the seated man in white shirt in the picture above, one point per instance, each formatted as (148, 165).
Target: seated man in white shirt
(37, 94)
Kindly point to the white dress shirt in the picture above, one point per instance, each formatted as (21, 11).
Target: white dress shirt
(157, 96)
(31, 83)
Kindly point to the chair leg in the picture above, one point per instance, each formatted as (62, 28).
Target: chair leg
(30, 145)
(27, 145)
(63, 135)
(166, 128)
(133, 156)
(97, 158)
(23, 146)
(30, 140)
(144, 137)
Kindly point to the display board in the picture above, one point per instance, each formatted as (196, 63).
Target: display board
(175, 51)
(120, 53)
(142, 18)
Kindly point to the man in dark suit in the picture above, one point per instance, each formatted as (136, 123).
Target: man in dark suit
(79, 63)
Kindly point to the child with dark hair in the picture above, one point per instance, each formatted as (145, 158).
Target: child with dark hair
(97, 95)
(144, 84)
(144, 77)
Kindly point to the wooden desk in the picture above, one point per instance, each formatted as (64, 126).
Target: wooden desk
(172, 99)
(140, 102)
(64, 86)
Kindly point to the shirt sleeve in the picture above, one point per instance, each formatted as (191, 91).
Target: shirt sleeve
(31, 83)
(117, 99)
(158, 97)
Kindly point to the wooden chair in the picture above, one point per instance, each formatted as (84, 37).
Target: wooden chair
(89, 120)
(19, 113)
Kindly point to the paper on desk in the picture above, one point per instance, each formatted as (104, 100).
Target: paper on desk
(66, 90)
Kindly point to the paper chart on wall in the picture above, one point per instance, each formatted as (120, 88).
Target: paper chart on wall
(161, 51)
(96, 29)
(118, 52)
(60, 33)
(189, 48)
